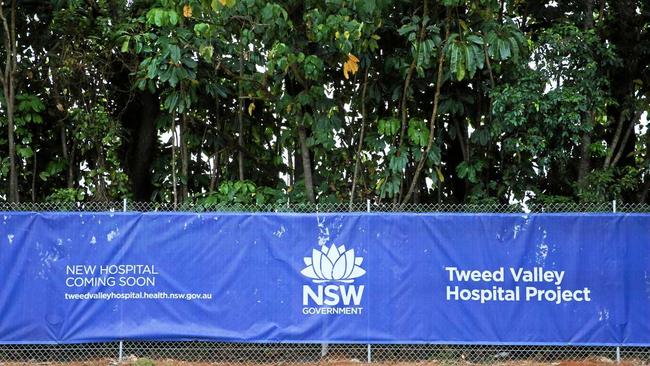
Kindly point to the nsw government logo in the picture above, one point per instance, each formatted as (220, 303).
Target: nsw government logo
(332, 271)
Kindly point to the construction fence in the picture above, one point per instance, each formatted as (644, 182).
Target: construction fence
(146, 352)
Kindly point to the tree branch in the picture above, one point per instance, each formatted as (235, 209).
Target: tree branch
(361, 136)
(434, 113)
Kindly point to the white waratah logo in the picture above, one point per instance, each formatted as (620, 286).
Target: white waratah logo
(333, 264)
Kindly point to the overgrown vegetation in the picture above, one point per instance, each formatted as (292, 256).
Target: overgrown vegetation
(260, 101)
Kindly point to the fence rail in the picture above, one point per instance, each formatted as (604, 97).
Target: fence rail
(367, 206)
(147, 353)
(201, 353)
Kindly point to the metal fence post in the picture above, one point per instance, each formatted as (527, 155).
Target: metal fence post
(120, 356)
(618, 348)
(324, 347)
(369, 353)
(369, 356)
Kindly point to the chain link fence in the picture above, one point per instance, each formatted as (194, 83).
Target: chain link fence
(147, 353)
(367, 206)
(144, 353)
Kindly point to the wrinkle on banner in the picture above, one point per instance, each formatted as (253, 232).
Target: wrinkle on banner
(538, 279)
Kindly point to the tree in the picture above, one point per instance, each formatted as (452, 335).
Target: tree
(8, 81)
(257, 101)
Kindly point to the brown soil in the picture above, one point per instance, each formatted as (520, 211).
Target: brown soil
(146, 362)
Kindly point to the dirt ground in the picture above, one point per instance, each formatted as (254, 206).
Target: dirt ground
(148, 362)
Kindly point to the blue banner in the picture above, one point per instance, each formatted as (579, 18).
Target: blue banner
(538, 279)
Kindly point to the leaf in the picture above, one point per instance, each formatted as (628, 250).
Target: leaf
(267, 12)
(189, 62)
(441, 177)
(475, 39)
(206, 52)
(187, 11)
(158, 17)
(454, 56)
(504, 49)
(173, 78)
(389, 127)
(125, 45)
(470, 61)
(175, 53)
(514, 47)
(479, 57)
(460, 70)
(251, 108)
(434, 155)
(407, 28)
(24, 151)
(380, 183)
(173, 17)
(418, 132)
(152, 70)
(351, 66)
(201, 28)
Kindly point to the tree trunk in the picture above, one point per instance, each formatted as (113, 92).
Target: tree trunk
(140, 120)
(624, 143)
(584, 166)
(184, 159)
(624, 26)
(585, 160)
(72, 168)
(101, 191)
(434, 113)
(68, 157)
(357, 156)
(240, 121)
(403, 103)
(589, 14)
(409, 76)
(306, 164)
(13, 174)
(214, 172)
(614, 144)
(643, 195)
(34, 173)
(174, 182)
(290, 160)
(9, 89)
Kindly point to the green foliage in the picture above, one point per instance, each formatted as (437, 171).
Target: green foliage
(418, 132)
(98, 134)
(69, 195)
(144, 362)
(28, 113)
(388, 127)
(544, 122)
(243, 192)
(150, 99)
